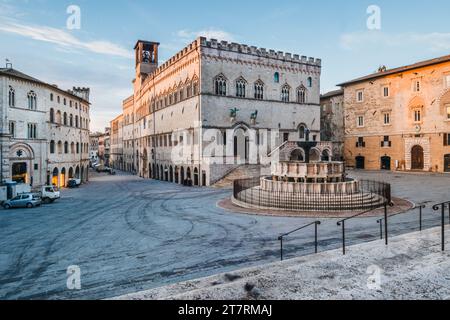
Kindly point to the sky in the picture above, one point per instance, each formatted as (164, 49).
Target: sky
(35, 38)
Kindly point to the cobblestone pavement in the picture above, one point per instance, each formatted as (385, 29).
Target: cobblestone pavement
(128, 234)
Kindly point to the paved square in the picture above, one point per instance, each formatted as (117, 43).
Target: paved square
(128, 234)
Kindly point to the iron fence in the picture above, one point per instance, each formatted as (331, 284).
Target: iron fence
(368, 195)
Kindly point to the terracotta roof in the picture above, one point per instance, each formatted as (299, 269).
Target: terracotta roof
(20, 75)
(398, 70)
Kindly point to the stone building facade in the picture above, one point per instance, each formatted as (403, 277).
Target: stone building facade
(399, 119)
(214, 105)
(117, 156)
(332, 121)
(44, 131)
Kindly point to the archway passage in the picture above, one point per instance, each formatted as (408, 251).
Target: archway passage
(314, 155)
(196, 177)
(62, 181)
(385, 163)
(19, 172)
(326, 155)
(71, 173)
(241, 145)
(55, 176)
(447, 163)
(417, 158)
(360, 162)
(171, 174)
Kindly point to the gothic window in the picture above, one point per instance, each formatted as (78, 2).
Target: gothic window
(240, 88)
(66, 147)
(12, 97)
(417, 115)
(276, 77)
(309, 82)
(302, 132)
(65, 119)
(52, 115)
(52, 147)
(189, 91)
(32, 100)
(301, 95)
(285, 91)
(259, 90)
(220, 85)
(60, 147)
(195, 87)
(72, 148)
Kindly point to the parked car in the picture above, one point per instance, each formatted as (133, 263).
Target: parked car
(49, 194)
(74, 183)
(26, 200)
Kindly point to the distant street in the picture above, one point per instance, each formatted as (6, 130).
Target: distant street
(128, 234)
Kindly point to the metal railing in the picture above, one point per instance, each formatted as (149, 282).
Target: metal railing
(420, 207)
(341, 223)
(442, 206)
(369, 195)
(281, 238)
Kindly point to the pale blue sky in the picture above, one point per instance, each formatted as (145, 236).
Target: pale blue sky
(34, 37)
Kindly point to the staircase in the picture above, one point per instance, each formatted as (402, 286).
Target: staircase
(241, 172)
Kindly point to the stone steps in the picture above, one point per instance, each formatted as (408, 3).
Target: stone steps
(241, 172)
(411, 267)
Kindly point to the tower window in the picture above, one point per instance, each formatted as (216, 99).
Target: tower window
(240, 88)
(32, 100)
(301, 95)
(259, 90)
(285, 92)
(309, 81)
(276, 77)
(12, 97)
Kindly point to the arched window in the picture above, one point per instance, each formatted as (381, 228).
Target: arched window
(276, 77)
(76, 121)
(72, 148)
(220, 85)
(71, 120)
(78, 147)
(301, 94)
(309, 82)
(66, 147)
(240, 88)
(52, 147)
(60, 147)
(285, 92)
(12, 97)
(65, 119)
(65, 101)
(195, 87)
(58, 117)
(51, 96)
(32, 100)
(259, 90)
(52, 115)
(301, 131)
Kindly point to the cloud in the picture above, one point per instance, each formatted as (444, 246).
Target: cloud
(210, 33)
(358, 40)
(63, 38)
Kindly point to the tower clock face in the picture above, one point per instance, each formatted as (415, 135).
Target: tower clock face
(418, 128)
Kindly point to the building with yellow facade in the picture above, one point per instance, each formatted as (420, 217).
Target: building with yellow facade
(399, 119)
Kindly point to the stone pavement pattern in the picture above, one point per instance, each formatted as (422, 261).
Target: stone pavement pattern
(412, 267)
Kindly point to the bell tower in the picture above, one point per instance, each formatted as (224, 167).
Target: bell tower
(146, 58)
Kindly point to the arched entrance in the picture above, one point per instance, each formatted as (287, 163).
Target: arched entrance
(447, 163)
(297, 155)
(70, 173)
(360, 162)
(417, 158)
(21, 157)
(19, 172)
(62, 180)
(241, 145)
(196, 177)
(77, 172)
(188, 174)
(170, 174)
(385, 163)
(166, 174)
(55, 177)
(182, 175)
(177, 175)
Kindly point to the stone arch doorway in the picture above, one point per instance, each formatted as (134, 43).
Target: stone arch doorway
(77, 172)
(241, 145)
(360, 162)
(21, 157)
(70, 173)
(385, 163)
(297, 155)
(62, 181)
(417, 158)
(177, 175)
(196, 177)
(55, 177)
